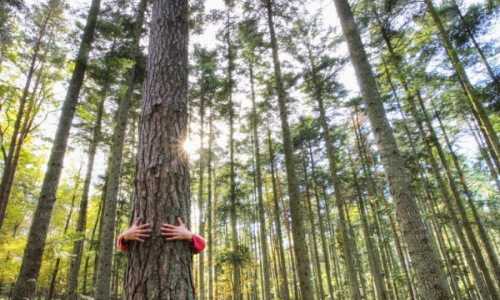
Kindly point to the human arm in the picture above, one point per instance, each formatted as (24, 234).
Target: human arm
(179, 233)
(136, 232)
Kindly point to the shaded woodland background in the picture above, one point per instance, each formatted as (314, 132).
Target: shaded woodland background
(436, 66)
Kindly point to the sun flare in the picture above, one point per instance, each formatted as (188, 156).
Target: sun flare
(190, 146)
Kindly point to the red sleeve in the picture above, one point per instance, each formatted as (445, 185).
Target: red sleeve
(198, 244)
(122, 245)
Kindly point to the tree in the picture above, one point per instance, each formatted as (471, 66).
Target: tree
(162, 172)
(430, 279)
(38, 231)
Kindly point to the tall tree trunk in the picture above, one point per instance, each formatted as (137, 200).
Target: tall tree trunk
(475, 104)
(81, 226)
(10, 165)
(91, 247)
(489, 69)
(283, 273)
(201, 257)
(32, 258)
(299, 243)
(320, 290)
(492, 257)
(260, 197)
(321, 224)
(351, 272)
(157, 269)
(113, 177)
(209, 209)
(430, 278)
(374, 259)
(66, 227)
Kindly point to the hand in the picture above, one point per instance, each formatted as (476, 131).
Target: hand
(137, 232)
(175, 233)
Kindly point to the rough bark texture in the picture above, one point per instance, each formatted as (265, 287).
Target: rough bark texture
(430, 278)
(157, 269)
(32, 258)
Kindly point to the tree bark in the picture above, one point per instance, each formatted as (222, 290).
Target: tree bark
(157, 269)
(430, 278)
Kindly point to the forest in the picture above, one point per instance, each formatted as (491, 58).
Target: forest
(326, 149)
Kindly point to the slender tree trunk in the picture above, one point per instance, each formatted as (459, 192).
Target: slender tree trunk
(351, 272)
(492, 257)
(289, 237)
(66, 227)
(319, 289)
(299, 243)
(322, 229)
(373, 257)
(475, 104)
(33, 253)
(209, 209)
(157, 269)
(10, 165)
(201, 257)
(489, 69)
(430, 278)
(91, 247)
(78, 245)
(258, 175)
(283, 273)
(113, 177)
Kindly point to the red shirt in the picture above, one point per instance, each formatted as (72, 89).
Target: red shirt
(198, 244)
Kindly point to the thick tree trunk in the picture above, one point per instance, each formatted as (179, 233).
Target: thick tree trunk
(33, 253)
(430, 278)
(157, 269)
(296, 210)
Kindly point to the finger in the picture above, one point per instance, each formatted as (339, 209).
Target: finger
(140, 240)
(137, 222)
(175, 238)
(168, 229)
(168, 233)
(144, 226)
(169, 225)
(142, 235)
(179, 220)
(144, 231)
